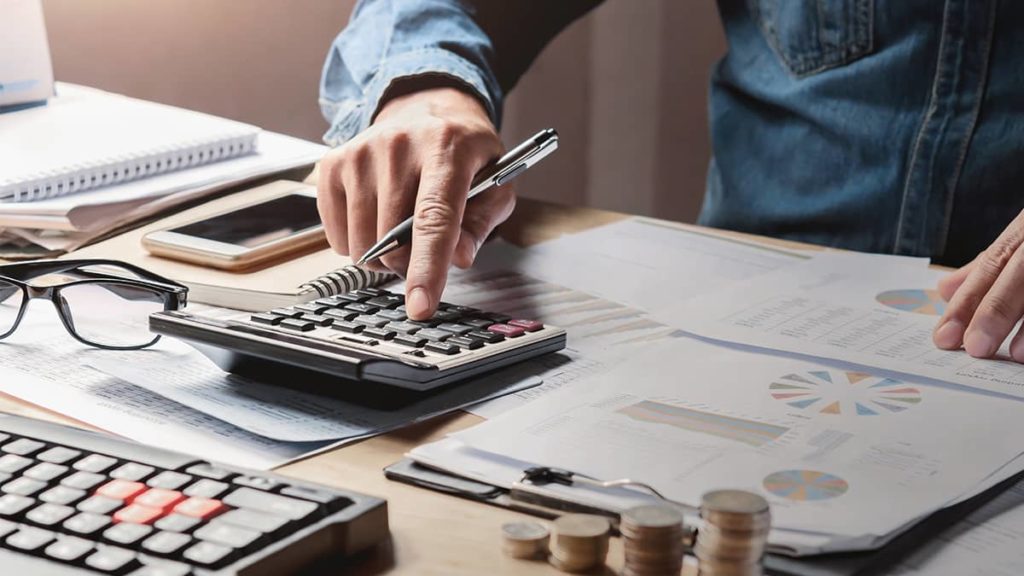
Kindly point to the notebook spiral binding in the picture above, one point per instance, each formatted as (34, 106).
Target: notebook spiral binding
(127, 168)
(346, 279)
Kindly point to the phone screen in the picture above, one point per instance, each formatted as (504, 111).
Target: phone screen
(258, 224)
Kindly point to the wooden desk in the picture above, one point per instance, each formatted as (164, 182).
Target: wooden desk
(431, 533)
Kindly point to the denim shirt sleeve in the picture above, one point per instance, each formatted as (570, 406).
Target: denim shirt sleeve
(483, 46)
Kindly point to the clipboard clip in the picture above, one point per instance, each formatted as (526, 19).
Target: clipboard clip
(540, 475)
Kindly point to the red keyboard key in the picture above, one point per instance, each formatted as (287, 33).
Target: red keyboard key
(160, 498)
(506, 330)
(528, 325)
(138, 514)
(201, 508)
(118, 489)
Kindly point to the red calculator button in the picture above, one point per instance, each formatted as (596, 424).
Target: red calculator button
(528, 325)
(138, 514)
(201, 508)
(118, 489)
(159, 498)
(506, 330)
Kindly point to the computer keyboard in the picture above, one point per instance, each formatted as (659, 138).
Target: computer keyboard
(73, 502)
(363, 336)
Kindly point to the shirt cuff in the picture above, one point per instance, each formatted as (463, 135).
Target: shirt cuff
(352, 116)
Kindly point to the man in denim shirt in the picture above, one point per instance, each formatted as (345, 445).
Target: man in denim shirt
(881, 125)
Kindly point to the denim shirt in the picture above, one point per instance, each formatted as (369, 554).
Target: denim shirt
(891, 126)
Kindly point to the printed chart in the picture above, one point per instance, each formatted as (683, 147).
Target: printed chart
(927, 302)
(805, 485)
(836, 392)
(741, 430)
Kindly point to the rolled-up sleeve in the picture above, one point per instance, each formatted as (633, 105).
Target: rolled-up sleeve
(482, 46)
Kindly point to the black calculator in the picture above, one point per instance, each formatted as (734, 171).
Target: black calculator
(362, 336)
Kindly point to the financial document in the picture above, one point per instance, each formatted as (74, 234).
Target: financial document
(881, 316)
(831, 448)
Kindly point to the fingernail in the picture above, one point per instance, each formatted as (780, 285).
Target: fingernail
(418, 303)
(1017, 349)
(980, 344)
(950, 335)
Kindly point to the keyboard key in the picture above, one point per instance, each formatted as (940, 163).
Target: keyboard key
(206, 488)
(49, 514)
(110, 559)
(177, 523)
(138, 514)
(23, 486)
(87, 523)
(361, 308)
(202, 508)
(82, 480)
(528, 325)
(410, 340)
(404, 327)
(45, 471)
(166, 542)
(132, 471)
(97, 463)
(386, 301)
(14, 504)
(257, 482)
(23, 447)
(329, 499)
(456, 329)
(169, 480)
(372, 320)
(379, 333)
(221, 533)
(62, 495)
(99, 505)
(489, 336)
(466, 343)
(442, 348)
(286, 312)
(318, 319)
(393, 315)
(506, 330)
(253, 520)
(159, 498)
(350, 327)
(434, 334)
(30, 539)
(207, 553)
(124, 490)
(270, 503)
(311, 308)
(209, 471)
(68, 549)
(346, 315)
(11, 463)
(59, 455)
(127, 533)
(266, 318)
(297, 325)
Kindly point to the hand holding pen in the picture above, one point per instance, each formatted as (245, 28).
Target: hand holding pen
(424, 156)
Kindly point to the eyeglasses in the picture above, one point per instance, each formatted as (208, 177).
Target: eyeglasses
(102, 303)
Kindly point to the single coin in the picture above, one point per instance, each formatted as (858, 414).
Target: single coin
(525, 539)
(581, 526)
(734, 502)
(653, 516)
(531, 531)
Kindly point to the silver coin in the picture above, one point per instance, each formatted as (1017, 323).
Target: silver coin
(734, 502)
(524, 531)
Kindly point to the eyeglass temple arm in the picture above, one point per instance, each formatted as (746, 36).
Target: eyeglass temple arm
(36, 268)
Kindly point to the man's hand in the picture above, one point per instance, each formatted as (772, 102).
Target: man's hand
(418, 158)
(986, 299)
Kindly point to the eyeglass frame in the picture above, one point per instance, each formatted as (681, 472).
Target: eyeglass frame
(175, 295)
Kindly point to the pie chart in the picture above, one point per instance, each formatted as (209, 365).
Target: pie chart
(805, 485)
(836, 392)
(927, 302)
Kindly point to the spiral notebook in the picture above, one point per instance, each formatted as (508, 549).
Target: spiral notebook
(86, 139)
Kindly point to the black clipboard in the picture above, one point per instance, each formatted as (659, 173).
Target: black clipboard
(838, 564)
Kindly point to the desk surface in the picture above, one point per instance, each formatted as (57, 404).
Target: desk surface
(431, 533)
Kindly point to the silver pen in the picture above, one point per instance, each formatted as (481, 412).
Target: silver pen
(512, 164)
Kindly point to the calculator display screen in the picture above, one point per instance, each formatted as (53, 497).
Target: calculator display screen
(258, 224)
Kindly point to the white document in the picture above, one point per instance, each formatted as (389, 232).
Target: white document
(830, 448)
(881, 316)
(26, 73)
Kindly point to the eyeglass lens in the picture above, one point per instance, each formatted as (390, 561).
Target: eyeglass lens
(110, 313)
(11, 298)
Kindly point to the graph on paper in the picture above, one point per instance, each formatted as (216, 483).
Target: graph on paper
(834, 392)
(805, 485)
(927, 302)
(742, 430)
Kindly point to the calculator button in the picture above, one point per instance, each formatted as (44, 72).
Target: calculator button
(379, 333)
(290, 508)
(222, 533)
(286, 312)
(393, 315)
(350, 327)
(99, 505)
(201, 508)
(317, 319)
(23, 486)
(498, 318)
(310, 308)
(457, 329)
(528, 325)
(487, 336)
(23, 447)
(169, 479)
(209, 471)
(466, 343)
(49, 514)
(62, 495)
(166, 542)
(127, 533)
(434, 334)
(386, 301)
(506, 330)
(138, 514)
(124, 490)
(177, 523)
(371, 292)
(258, 482)
(206, 489)
(59, 455)
(477, 322)
(443, 348)
(68, 548)
(330, 302)
(45, 471)
(29, 539)
(14, 504)
(110, 559)
(11, 463)
(298, 325)
(95, 463)
(346, 315)
(352, 298)
(445, 316)
(132, 471)
(410, 340)
(82, 480)
(373, 320)
(405, 327)
(362, 308)
(86, 523)
(266, 319)
(206, 553)
(160, 498)
(253, 520)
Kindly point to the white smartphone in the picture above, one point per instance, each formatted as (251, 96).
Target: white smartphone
(245, 237)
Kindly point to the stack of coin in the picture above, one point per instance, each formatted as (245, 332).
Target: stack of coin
(735, 533)
(652, 538)
(527, 540)
(579, 542)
